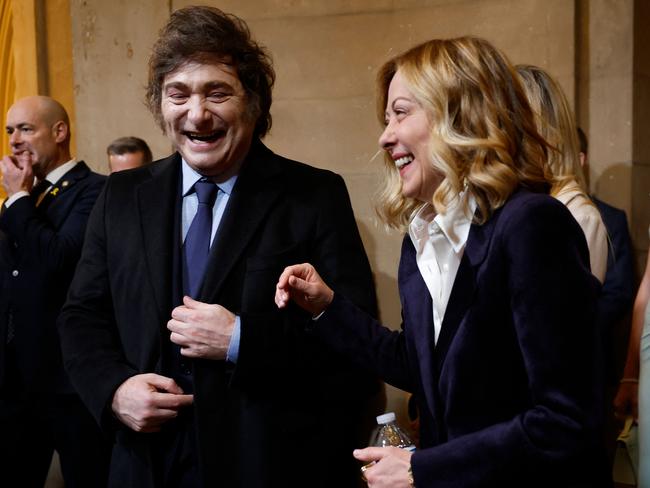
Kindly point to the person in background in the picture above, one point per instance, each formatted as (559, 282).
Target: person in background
(170, 332)
(128, 152)
(42, 225)
(616, 299)
(555, 122)
(497, 342)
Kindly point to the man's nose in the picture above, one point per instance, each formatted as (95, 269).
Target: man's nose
(14, 138)
(197, 113)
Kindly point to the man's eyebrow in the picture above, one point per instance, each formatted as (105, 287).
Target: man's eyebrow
(218, 84)
(174, 84)
(206, 86)
(22, 125)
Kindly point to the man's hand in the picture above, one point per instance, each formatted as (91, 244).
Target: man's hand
(201, 329)
(390, 466)
(303, 285)
(146, 401)
(16, 175)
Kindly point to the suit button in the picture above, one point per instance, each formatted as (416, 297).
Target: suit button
(185, 368)
(14, 273)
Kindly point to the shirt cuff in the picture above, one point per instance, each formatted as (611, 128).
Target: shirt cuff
(233, 347)
(19, 194)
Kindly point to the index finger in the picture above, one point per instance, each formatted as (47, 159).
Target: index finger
(289, 271)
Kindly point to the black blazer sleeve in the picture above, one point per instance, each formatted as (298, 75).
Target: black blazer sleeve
(275, 342)
(89, 341)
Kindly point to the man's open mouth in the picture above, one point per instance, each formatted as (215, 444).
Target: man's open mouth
(204, 136)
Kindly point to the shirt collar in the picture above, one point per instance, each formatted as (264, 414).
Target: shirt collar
(191, 176)
(55, 175)
(455, 223)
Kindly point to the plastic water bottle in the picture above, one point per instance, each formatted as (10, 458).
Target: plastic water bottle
(389, 433)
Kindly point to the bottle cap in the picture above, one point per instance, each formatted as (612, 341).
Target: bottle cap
(386, 418)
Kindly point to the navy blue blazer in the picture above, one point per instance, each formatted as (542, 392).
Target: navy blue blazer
(508, 396)
(39, 250)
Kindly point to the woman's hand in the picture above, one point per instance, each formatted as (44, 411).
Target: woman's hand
(303, 285)
(626, 401)
(390, 466)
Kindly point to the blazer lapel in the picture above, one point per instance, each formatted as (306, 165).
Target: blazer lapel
(259, 185)
(418, 310)
(463, 290)
(49, 202)
(157, 200)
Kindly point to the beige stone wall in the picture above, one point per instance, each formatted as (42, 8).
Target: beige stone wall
(609, 92)
(111, 47)
(614, 106)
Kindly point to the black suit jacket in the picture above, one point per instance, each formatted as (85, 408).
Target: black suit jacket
(39, 250)
(289, 402)
(617, 296)
(509, 395)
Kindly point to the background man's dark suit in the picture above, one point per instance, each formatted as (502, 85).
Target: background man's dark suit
(614, 312)
(617, 295)
(286, 414)
(39, 249)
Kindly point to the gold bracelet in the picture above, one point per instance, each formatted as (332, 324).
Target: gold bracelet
(629, 380)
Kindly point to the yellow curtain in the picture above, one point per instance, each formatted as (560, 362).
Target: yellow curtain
(7, 77)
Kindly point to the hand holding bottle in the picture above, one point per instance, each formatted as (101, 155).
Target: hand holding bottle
(388, 464)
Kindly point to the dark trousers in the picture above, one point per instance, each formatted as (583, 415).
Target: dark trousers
(33, 426)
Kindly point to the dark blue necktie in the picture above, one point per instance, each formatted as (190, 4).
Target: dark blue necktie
(197, 241)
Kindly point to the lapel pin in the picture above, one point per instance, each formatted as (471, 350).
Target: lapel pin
(65, 183)
(54, 191)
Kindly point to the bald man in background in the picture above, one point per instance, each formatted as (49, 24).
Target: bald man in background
(42, 225)
(128, 152)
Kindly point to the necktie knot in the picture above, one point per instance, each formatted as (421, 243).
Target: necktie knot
(206, 192)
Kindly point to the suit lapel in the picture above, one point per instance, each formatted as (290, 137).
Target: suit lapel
(259, 185)
(418, 317)
(50, 201)
(157, 200)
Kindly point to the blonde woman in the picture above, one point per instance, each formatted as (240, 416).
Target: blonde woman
(497, 343)
(556, 123)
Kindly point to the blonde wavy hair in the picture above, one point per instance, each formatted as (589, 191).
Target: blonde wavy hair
(483, 133)
(556, 123)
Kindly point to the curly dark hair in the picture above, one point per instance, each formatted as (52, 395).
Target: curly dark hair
(206, 34)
